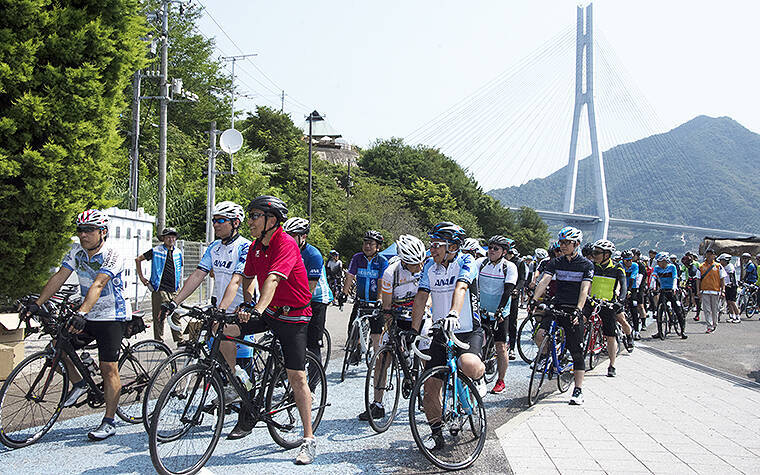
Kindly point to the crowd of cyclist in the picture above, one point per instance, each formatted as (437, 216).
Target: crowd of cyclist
(281, 283)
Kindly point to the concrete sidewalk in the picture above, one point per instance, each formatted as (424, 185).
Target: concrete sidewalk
(656, 416)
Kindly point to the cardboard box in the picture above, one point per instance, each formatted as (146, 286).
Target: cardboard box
(10, 330)
(10, 356)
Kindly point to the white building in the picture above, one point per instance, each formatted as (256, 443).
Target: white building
(132, 233)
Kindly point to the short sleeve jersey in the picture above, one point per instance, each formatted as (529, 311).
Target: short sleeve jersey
(315, 270)
(282, 257)
(368, 273)
(569, 274)
(632, 275)
(730, 274)
(668, 277)
(111, 306)
(491, 280)
(750, 273)
(226, 260)
(401, 285)
(441, 281)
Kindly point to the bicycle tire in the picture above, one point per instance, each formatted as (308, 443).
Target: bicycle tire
(280, 402)
(595, 345)
(160, 378)
(661, 322)
(160, 438)
(326, 349)
(16, 438)
(350, 348)
(455, 434)
(526, 346)
(385, 360)
(750, 308)
(490, 361)
(141, 361)
(538, 373)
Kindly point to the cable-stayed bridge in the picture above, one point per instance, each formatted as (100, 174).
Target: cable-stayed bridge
(516, 127)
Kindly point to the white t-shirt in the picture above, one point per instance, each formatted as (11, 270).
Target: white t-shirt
(730, 270)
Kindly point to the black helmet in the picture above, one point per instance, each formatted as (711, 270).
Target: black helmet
(168, 232)
(449, 232)
(270, 205)
(502, 241)
(626, 255)
(588, 249)
(636, 251)
(375, 235)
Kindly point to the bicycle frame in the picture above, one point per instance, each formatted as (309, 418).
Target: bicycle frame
(556, 367)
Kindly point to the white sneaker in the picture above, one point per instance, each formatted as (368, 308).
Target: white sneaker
(577, 397)
(104, 431)
(482, 388)
(74, 395)
(307, 453)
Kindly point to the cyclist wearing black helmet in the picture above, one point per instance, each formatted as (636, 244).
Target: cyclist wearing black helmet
(587, 250)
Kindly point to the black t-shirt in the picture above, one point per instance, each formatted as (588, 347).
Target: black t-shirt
(167, 278)
(569, 275)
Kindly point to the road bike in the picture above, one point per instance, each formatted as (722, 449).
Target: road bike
(667, 320)
(747, 299)
(359, 344)
(488, 353)
(526, 335)
(446, 412)
(32, 397)
(553, 357)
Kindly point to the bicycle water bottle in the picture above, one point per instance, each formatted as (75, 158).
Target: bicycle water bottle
(89, 363)
(364, 335)
(242, 375)
(464, 395)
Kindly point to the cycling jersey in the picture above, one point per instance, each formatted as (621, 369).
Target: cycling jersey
(569, 275)
(632, 275)
(111, 305)
(165, 274)
(368, 273)
(334, 267)
(609, 281)
(730, 278)
(667, 277)
(225, 260)
(441, 281)
(491, 280)
(315, 269)
(401, 285)
(750, 273)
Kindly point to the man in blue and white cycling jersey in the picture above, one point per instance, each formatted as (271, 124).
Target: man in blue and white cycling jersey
(667, 275)
(450, 280)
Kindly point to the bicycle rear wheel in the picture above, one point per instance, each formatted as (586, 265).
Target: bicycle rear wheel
(383, 385)
(31, 399)
(137, 366)
(163, 373)
(662, 324)
(350, 350)
(281, 403)
(526, 346)
(541, 365)
(489, 360)
(187, 421)
(462, 418)
(595, 346)
(326, 349)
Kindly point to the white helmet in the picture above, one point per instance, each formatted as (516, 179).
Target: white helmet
(541, 253)
(228, 209)
(471, 245)
(410, 249)
(724, 257)
(605, 245)
(93, 217)
(617, 255)
(296, 226)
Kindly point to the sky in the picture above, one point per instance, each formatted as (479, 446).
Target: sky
(384, 69)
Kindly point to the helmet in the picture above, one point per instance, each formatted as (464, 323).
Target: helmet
(570, 233)
(661, 256)
(747, 255)
(375, 235)
(604, 245)
(228, 209)
(449, 232)
(541, 253)
(724, 257)
(587, 249)
(514, 252)
(169, 232)
(626, 255)
(673, 256)
(554, 246)
(333, 252)
(271, 206)
(471, 245)
(617, 255)
(410, 249)
(502, 241)
(652, 251)
(636, 251)
(93, 217)
(296, 226)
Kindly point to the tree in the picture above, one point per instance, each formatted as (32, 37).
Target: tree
(63, 69)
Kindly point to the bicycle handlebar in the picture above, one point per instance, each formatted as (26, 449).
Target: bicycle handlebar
(450, 335)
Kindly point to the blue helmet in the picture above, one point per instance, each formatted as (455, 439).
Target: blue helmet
(662, 256)
(448, 232)
(570, 233)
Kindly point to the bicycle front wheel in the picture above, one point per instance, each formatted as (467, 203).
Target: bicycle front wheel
(595, 346)
(326, 349)
(350, 351)
(161, 376)
(383, 385)
(541, 366)
(286, 427)
(447, 418)
(31, 399)
(526, 346)
(137, 366)
(187, 421)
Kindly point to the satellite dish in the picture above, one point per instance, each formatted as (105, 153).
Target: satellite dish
(231, 140)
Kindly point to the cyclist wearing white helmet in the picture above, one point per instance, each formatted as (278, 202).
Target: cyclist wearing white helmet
(102, 316)
(667, 276)
(472, 247)
(398, 289)
(574, 274)
(731, 288)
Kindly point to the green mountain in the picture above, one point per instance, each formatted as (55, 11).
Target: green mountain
(702, 173)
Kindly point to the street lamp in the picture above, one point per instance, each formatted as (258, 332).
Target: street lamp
(311, 118)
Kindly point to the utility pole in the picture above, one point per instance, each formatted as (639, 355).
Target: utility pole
(232, 96)
(211, 191)
(282, 104)
(163, 119)
(134, 172)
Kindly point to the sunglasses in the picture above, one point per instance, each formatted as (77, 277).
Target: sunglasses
(220, 220)
(565, 242)
(86, 228)
(494, 248)
(596, 252)
(436, 245)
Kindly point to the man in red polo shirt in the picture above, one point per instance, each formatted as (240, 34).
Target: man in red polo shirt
(274, 260)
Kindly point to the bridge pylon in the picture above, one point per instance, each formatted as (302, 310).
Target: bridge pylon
(584, 96)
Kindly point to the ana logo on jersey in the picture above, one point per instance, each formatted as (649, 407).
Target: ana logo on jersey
(445, 282)
(222, 264)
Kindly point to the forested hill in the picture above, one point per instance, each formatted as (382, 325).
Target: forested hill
(702, 173)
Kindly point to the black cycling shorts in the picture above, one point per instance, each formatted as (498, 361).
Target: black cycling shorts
(731, 293)
(437, 349)
(108, 335)
(292, 337)
(574, 337)
(500, 334)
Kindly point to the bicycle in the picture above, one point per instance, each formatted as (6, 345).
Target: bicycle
(747, 299)
(462, 417)
(488, 353)
(336, 286)
(552, 358)
(594, 342)
(187, 422)
(37, 387)
(384, 378)
(667, 320)
(526, 334)
(359, 343)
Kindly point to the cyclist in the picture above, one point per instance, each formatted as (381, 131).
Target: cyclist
(450, 280)
(542, 258)
(692, 265)
(710, 286)
(574, 275)
(497, 277)
(730, 286)
(398, 289)
(284, 308)
(335, 276)
(749, 269)
(609, 283)
(617, 257)
(472, 247)
(522, 271)
(666, 274)
(102, 315)
(367, 268)
(632, 278)
(642, 285)
(587, 250)
(321, 295)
